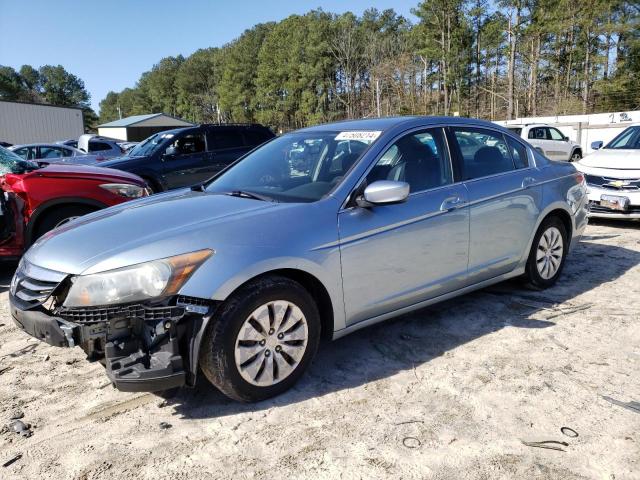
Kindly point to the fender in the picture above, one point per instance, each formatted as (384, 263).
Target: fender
(223, 291)
(43, 207)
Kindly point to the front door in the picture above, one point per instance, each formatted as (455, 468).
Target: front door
(504, 200)
(185, 160)
(394, 256)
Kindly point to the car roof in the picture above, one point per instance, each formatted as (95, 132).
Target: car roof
(387, 123)
(44, 144)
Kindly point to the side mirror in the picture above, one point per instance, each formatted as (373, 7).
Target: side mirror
(383, 192)
(566, 139)
(597, 145)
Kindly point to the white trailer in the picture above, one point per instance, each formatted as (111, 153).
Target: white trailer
(30, 122)
(585, 129)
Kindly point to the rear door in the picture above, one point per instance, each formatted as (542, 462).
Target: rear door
(504, 200)
(185, 160)
(228, 144)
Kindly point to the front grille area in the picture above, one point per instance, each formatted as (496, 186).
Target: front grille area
(597, 208)
(104, 314)
(33, 285)
(615, 184)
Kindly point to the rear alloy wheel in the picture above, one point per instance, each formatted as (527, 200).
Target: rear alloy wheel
(548, 253)
(576, 156)
(261, 339)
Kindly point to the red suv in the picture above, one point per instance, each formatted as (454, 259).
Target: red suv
(34, 199)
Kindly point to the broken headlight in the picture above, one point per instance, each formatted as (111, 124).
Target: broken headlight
(158, 278)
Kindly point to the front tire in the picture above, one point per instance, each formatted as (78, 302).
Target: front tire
(59, 216)
(548, 253)
(261, 339)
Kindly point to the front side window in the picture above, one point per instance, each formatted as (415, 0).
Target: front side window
(297, 167)
(628, 139)
(489, 155)
(555, 134)
(420, 159)
(188, 144)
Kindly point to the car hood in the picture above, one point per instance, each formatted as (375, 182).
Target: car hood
(613, 159)
(60, 170)
(155, 227)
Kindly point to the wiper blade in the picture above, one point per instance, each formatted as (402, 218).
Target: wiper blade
(245, 194)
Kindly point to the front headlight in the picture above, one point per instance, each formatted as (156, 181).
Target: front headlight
(126, 190)
(155, 279)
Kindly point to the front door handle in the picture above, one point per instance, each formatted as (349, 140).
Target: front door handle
(451, 203)
(528, 181)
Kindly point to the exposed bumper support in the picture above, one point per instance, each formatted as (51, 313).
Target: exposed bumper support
(144, 348)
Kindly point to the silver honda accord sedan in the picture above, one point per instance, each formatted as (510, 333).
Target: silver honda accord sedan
(313, 235)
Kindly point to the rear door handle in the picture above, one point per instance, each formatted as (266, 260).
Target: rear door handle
(528, 181)
(451, 203)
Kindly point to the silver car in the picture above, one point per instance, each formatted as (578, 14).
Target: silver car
(243, 275)
(53, 153)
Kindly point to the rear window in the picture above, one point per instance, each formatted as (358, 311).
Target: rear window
(227, 138)
(98, 146)
(256, 137)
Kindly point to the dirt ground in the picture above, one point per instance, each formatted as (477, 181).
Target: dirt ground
(449, 392)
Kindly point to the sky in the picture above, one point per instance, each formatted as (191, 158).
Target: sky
(109, 44)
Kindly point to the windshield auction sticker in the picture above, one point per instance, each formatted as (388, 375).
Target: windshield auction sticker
(363, 136)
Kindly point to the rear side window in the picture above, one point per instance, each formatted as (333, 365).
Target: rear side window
(25, 153)
(98, 146)
(226, 138)
(51, 152)
(256, 137)
(484, 152)
(538, 133)
(518, 153)
(517, 131)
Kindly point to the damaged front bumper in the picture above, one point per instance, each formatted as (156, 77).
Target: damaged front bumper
(143, 347)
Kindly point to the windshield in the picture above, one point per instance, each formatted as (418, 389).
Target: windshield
(150, 145)
(12, 163)
(628, 139)
(298, 167)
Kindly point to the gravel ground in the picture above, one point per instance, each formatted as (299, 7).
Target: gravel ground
(448, 392)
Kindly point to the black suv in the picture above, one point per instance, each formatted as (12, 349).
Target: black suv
(187, 156)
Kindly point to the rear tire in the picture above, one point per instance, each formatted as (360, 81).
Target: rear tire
(576, 156)
(261, 339)
(59, 216)
(548, 252)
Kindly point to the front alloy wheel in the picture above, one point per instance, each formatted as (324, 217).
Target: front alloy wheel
(261, 339)
(271, 343)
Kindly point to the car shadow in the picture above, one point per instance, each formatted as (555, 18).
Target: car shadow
(413, 339)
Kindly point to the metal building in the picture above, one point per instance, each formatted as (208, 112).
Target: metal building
(138, 127)
(31, 122)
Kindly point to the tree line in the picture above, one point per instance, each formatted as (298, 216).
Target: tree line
(48, 84)
(493, 60)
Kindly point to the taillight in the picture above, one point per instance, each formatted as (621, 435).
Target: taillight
(580, 179)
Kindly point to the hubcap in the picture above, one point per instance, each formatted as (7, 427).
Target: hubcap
(271, 343)
(549, 254)
(575, 157)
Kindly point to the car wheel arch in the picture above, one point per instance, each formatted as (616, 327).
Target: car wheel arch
(45, 208)
(309, 281)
